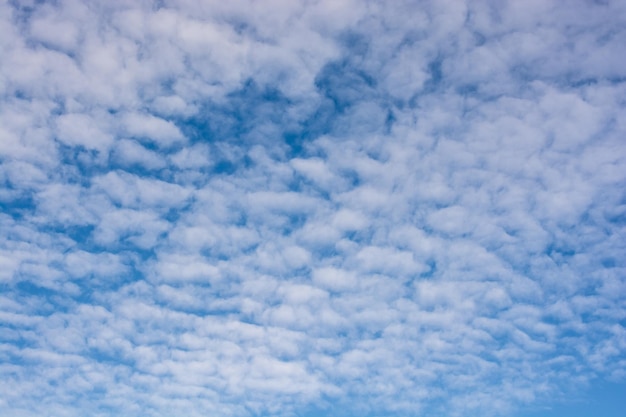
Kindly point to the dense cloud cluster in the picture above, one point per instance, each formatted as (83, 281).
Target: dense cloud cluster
(268, 208)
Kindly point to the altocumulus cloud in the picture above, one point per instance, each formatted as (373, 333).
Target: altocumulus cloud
(274, 208)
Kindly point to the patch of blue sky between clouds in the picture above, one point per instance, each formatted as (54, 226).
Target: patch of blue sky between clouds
(311, 208)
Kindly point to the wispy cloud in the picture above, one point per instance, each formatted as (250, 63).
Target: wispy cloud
(250, 209)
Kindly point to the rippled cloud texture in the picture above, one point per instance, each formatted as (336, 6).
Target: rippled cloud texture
(274, 208)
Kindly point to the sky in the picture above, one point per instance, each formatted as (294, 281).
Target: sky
(312, 208)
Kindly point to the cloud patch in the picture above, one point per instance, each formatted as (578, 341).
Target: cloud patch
(332, 207)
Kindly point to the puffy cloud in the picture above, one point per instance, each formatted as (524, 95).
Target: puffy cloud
(234, 208)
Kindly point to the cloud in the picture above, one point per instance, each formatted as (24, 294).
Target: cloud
(129, 153)
(151, 128)
(310, 207)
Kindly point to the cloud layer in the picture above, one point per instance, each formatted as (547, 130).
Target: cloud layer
(292, 208)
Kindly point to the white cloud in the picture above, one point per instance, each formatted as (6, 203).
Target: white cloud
(173, 106)
(181, 268)
(80, 130)
(197, 156)
(152, 129)
(316, 170)
(334, 279)
(141, 228)
(130, 190)
(129, 153)
(233, 208)
(62, 34)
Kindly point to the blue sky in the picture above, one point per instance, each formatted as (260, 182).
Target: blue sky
(312, 208)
